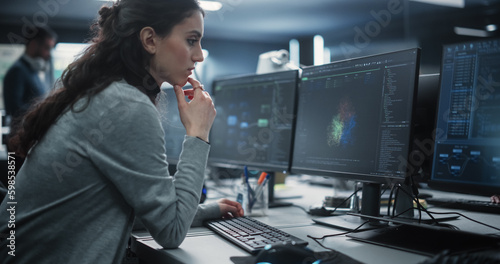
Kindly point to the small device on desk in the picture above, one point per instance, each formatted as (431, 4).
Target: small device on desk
(336, 206)
(286, 254)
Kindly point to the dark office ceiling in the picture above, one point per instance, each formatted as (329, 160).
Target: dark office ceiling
(347, 26)
(272, 20)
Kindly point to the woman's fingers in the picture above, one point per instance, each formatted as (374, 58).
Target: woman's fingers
(195, 83)
(180, 94)
(196, 86)
(197, 115)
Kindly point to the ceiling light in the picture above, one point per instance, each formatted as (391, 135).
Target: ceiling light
(205, 53)
(491, 27)
(294, 51)
(319, 49)
(472, 32)
(210, 5)
(450, 3)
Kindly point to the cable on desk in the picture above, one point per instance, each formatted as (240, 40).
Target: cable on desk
(346, 199)
(441, 224)
(420, 207)
(340, 234)
(409, 182)
(389, 202)
(315, 239)
(331, 212)
(326, 212)
(468, 218)
(300, 207)
(321, 245)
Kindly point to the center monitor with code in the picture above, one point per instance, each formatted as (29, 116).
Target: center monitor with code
(354, 121)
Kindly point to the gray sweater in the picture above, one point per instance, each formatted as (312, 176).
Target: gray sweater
(82, 185)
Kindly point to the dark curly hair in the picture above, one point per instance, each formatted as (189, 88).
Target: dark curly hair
(115, 53)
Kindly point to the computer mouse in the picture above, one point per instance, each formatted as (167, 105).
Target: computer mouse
(285, 254)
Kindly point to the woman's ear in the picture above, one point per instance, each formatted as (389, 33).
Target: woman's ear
(148, 39)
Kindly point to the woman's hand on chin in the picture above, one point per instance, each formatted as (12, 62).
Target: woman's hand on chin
(197, 115)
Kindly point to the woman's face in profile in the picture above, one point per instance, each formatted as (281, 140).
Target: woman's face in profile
(177, 53)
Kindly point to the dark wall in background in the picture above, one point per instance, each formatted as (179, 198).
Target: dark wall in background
(229, 57)
(226, 57)
(377, 26)
(233, 57)
(12, 34)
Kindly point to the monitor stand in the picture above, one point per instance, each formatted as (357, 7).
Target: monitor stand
(426, 239)
(370, 207)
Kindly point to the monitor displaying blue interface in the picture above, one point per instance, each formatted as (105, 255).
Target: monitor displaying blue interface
(354, 117)
(255, 121)
(467, 141)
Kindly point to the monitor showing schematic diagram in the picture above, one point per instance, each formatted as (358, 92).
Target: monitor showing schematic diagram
(467, 137)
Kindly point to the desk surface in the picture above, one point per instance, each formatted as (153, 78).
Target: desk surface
(203, 246)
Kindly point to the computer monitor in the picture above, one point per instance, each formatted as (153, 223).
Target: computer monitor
(354, 121)
(467, 142)
(254, 122)
(172, 125)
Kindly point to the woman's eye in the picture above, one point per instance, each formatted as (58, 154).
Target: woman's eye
(192, 41)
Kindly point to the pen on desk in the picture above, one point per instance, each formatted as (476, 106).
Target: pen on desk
(263, 175)
(250, 191)
(259, 190)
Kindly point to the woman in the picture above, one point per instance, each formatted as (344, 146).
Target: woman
(95, 149)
